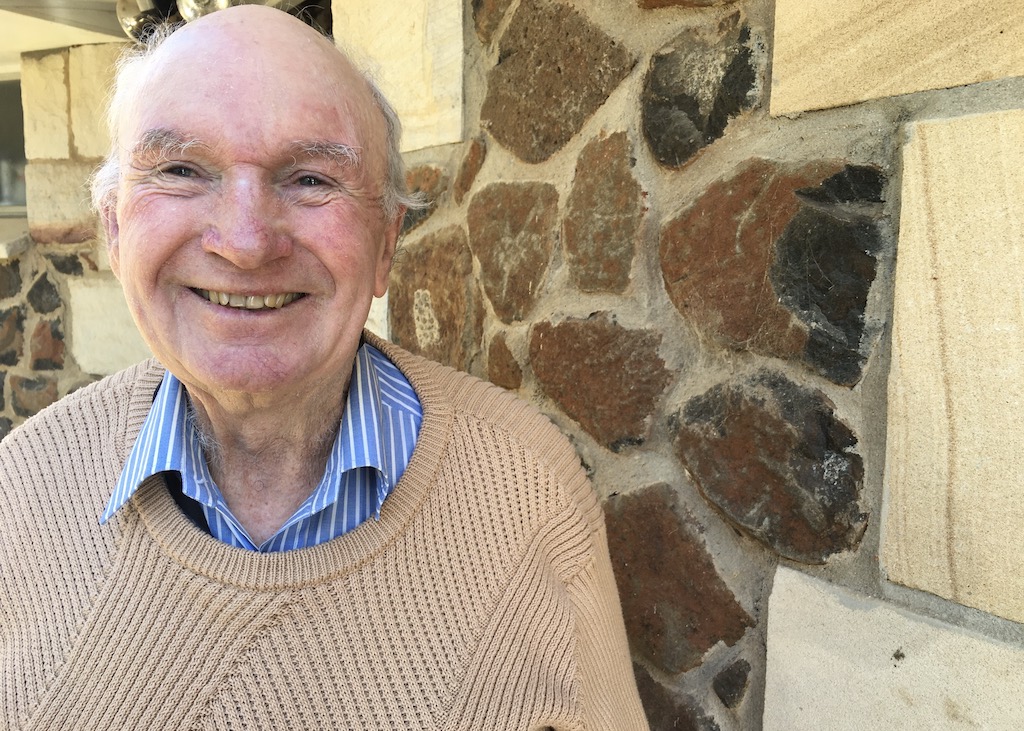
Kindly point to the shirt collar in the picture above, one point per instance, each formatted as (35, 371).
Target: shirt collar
(168, 442)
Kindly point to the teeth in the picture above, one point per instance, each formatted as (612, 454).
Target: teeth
(250, 302)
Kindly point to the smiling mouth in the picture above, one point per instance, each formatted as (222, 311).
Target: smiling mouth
(250, 301)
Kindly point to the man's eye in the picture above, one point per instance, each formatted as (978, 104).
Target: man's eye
(180, 171)
(310, 180)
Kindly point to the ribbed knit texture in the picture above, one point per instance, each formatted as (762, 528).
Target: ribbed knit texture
(482, 599)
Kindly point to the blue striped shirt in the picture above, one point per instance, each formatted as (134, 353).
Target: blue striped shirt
(379, 426)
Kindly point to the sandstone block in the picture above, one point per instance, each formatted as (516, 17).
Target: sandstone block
(843, 661)
(834, 54)
(58, 202)
(956, 383)
(44, 99)
(415, 52)
(104, 338)
(90, 73)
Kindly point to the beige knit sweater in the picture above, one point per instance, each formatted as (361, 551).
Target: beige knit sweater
(482, 599)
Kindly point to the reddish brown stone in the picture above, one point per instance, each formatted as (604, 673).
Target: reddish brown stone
(773, 458)
(668, 711)
(471, 164)
(487, 16)
(554, 70)
(12, 335)
(47, 346)
(429, 181)
(675, 604)
(434, 302)
(502, 367)
(512, 233)
(29, 396)
(716, 257)
(604, 214)
(607, 378)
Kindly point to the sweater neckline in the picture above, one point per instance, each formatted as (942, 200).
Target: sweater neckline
(202, 554)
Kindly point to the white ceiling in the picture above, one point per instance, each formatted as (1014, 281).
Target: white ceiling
(20, 33)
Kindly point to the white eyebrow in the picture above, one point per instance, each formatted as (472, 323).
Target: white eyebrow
(164, 143)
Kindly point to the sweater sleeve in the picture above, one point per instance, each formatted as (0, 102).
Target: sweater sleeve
(608, 695)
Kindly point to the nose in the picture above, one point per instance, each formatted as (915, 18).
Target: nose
(246, 222)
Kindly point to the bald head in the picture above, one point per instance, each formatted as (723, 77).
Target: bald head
(281, 67)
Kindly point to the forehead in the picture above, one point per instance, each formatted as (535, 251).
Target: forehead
(250, 89)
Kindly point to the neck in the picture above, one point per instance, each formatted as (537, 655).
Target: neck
(267, 460)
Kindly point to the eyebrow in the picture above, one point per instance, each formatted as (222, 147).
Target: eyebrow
(163, 143)
(335, 152)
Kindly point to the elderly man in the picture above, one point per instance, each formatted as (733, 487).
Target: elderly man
(282, 521)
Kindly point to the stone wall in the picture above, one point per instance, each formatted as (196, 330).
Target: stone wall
(673, 225)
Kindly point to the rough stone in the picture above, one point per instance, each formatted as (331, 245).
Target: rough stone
(825, 263)
(502, 368)
(779, 262)
(70, 264)
(487, 16)
(47, 346)
(5, 427)
(607, 378)
(603, 217)
(29, 396)
(436, 308)
(512, 233)
(43, 296)
(665, 710)
(730, 685)
(774, 459)
(675, 604)
(694, 86)
(429, 181)
(12, 335)
(554, 70)
(471, 164)
(10, 279)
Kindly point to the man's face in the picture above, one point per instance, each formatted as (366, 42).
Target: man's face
(252, 167)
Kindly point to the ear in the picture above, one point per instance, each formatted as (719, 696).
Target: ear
(108, 217)
(387, 253)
